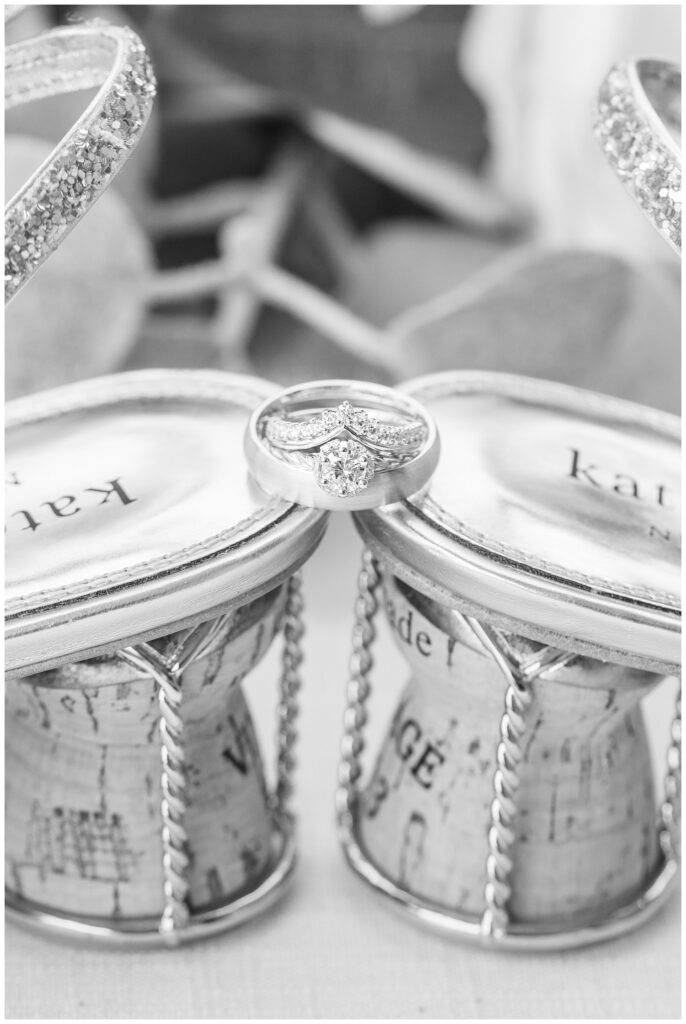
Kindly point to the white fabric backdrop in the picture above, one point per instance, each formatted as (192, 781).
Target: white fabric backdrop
(332, 950)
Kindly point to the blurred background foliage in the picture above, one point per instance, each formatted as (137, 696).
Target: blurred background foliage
(357, 191)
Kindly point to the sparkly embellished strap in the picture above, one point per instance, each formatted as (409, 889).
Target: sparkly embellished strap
(82, 165)
(639, 148)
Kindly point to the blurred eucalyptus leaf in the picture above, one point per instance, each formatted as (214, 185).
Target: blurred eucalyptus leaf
(582, 317)
(79, 315)
(404, 263)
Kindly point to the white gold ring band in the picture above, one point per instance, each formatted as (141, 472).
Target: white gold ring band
(341, 445)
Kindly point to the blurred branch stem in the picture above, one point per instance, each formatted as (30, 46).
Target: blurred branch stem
(284, 291)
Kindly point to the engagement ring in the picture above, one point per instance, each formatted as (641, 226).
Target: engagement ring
(342, 445)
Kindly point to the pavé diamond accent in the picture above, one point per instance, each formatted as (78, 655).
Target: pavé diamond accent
(647, 166)
(344, 468)
(319, 427)
(63, 60)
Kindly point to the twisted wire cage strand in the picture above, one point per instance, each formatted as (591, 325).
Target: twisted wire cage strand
(359, 690)
(670, 817)
(288, 707)
(167, 672)
(520, 674)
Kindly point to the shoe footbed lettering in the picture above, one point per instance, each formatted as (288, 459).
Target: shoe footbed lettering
(112, 398)
(616, 485)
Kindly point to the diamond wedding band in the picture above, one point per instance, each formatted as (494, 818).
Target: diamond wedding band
(341, 445)
(79, 169)
(638, 123)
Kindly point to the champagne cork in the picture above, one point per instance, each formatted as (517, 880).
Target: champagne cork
(84, 831)
(585, 838)
(533, 591)
(145, 580)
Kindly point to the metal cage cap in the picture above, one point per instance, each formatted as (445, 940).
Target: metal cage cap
(131, 513)
(553, 513)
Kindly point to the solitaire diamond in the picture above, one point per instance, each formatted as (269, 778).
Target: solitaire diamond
(344, 468)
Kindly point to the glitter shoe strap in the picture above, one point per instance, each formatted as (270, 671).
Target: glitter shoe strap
(82, 165)
(642, 142)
